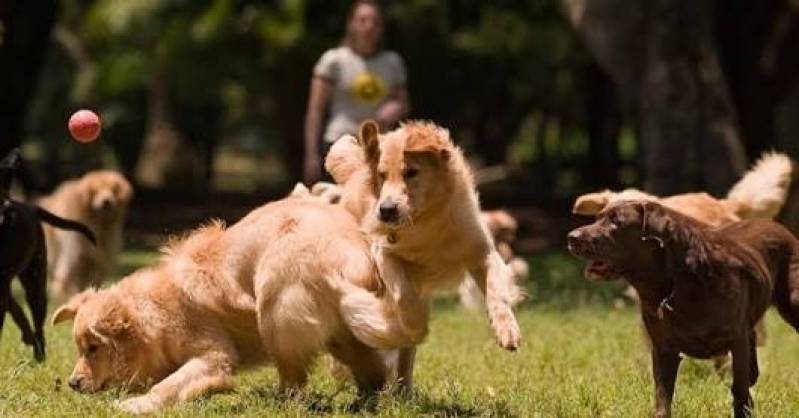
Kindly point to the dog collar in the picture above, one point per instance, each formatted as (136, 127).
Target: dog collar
(665, 306)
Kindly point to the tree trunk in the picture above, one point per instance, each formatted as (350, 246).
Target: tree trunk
(24, 42)
(662, 56)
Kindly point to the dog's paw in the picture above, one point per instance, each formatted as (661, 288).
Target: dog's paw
(139, 405)
(508, 334)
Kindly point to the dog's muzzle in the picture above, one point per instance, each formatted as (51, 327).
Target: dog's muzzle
(388, 212)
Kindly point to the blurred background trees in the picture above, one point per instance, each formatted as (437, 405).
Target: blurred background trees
(554, 97)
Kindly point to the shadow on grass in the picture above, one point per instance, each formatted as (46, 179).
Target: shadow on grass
(317, 403)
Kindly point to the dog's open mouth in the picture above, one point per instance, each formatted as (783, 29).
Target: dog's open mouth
(599, 270)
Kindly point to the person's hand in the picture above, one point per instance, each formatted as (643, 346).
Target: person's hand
(312, 169)
(389, 114)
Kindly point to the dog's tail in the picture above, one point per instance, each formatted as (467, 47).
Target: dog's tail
(763, 189)
(59, 222)
(372, 320)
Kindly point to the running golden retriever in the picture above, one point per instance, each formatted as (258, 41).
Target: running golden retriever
(99, 200)
(415, 195)
(291, 279)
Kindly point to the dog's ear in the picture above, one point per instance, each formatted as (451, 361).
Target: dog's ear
(117, 322)
(68, 310)
(368, 138)
(591, 204)
(125, 189)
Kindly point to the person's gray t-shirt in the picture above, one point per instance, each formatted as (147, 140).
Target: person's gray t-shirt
(360, 85)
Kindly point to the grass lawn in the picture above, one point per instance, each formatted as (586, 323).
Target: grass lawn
(580, 358)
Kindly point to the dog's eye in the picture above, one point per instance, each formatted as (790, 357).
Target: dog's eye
(410, 173)
(91, 349)
(381, 175)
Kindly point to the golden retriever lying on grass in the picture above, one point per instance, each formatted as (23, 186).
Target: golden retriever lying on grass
(291, 279)
(100, 201)
(415, 196)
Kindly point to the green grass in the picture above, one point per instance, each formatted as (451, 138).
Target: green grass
(580, 358)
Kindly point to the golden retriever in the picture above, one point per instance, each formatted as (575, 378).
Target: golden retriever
(761, 193)
(415, 196)
(99, 200)
(291, 279)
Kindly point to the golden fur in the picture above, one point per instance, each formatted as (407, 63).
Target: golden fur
(437, 236)
(761, 193)
(100, 201)
(291, 279)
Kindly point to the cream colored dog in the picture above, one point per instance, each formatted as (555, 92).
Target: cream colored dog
(291, 279)
(100, 201)
(415, 195)
(761, 193)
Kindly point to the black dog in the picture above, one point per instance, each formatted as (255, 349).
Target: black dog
(23, 254)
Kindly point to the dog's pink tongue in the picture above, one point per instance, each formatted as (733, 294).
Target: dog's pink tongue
(597, 270)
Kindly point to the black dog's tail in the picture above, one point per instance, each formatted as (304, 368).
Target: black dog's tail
(62, 223)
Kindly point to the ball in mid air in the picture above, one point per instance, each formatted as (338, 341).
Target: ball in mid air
(84, 126)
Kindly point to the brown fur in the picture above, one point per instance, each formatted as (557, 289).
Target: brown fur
(291, 279)
(701, 290)
(436, 235)
(99, 200)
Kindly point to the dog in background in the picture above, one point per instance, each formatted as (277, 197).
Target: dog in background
(702, 290)
(100, 200)
(414, 194)
(502, 226)
(760, 194)
(24, 256)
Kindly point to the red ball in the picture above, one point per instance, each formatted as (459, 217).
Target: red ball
(84, 126)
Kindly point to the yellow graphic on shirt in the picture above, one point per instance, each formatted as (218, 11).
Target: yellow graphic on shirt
(368, 88)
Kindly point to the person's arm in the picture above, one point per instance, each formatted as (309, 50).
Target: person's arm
(317, 103)
(396, 108)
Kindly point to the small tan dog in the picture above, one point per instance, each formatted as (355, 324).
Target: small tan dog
(761, 193)
(99, 200)
(415, 196)
(291, 279)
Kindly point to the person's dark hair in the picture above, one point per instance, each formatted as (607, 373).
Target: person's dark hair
(357, 3)
(345, 40)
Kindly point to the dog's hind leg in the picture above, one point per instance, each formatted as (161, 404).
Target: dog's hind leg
(18, 315)
(365, 363)
(743, 406)
(34, 281)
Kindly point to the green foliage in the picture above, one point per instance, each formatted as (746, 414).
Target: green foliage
(238, 70)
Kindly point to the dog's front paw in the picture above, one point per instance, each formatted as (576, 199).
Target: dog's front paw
(139, 405)
(508, 334)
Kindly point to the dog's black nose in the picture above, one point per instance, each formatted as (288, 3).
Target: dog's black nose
(388, 211)
(74, 383)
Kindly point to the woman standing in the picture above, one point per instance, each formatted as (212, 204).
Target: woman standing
(357, 80)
